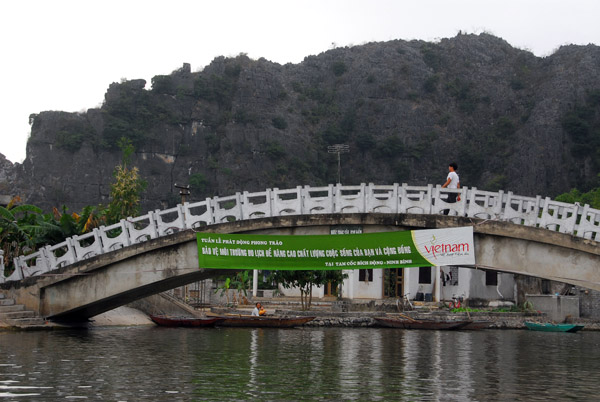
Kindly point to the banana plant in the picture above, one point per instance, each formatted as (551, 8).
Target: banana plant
(18, 225)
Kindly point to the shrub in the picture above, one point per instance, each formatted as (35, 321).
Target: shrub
(73, 134)
(391, 147)
(430, 84)
(163, 84)
(339, 68)
(499, 182)
(219, 88)
(198, 182)
(279, 123)
(274, 150)
(245, 118)
(592, 197)
(431, 56)
(365, 141)
(412, 96)
(505, 127)
(70, 141)
(461, 91)
(333, 134)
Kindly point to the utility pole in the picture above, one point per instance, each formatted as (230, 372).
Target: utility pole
(183, 191)
(339, 149)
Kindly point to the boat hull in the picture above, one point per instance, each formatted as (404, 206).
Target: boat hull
(421, 324)
(477, 325)
(166, 321)
(263, 322)
(548, 327)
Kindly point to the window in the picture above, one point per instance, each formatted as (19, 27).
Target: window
(424, 275)
(546, 287)
(491, 278)
(450, 276)
(453, 276)
(365, 275)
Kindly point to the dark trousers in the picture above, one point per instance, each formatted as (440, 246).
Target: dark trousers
(450, 200)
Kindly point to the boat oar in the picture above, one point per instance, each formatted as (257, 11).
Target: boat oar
(405, 316)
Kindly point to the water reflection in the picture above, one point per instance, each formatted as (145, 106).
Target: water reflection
(297, 364)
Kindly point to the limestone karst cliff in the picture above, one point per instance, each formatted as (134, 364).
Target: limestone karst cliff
(511, 120)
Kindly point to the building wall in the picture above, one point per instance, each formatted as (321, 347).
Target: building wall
(557, 307)
(503, 291)
(412, 285)
(471, 284)
(589, 304)
(354, 288)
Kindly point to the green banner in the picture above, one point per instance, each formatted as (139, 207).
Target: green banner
(352, 251)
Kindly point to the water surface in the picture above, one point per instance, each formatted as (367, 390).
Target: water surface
(212, 364)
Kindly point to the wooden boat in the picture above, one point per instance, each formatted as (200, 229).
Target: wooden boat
(477, 324)
(263, 321)
(166, 321)
(406, 323)
(549, 327)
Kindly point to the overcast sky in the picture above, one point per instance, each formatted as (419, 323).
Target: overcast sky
(63, 54)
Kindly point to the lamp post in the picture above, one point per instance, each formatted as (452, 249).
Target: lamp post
(339, 149)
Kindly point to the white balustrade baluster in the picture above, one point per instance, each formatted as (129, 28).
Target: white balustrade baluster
(60, 254)
(521, 210)
(558, 216)
(141, 228)
(484, 204)
(416, 199)
(114, 236)
(382, 199)
(349, 199)
(85, 247)
(198, 214)
(287, 202)
(318, 200)
(170, 220)
(257, 205)
(227, 209)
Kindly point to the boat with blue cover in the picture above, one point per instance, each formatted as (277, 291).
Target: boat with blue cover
(550, 327)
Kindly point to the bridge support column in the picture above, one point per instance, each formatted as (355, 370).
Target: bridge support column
(254, 282)
(436, 284)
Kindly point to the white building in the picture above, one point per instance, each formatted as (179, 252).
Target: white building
(423, 283)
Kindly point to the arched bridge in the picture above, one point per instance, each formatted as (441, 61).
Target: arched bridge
(114, 265)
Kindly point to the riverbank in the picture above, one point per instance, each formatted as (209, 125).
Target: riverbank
(497, 320)
(127, 316)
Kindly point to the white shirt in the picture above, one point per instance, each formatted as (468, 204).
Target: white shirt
(453, 176)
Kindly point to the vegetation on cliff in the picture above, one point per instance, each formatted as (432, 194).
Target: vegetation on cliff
(510, 120)
(24, 228)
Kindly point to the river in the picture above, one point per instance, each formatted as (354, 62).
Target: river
(212, 364)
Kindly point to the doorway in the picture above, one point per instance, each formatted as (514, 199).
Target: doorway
(330, 290)
(393, 282)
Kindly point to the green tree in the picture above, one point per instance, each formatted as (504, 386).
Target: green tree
(126, 189)
(17, 227)
(305, 280)
(592, 197)
(198, 182)
(240, 283)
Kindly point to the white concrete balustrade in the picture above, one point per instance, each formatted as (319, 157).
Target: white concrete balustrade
(581, 221)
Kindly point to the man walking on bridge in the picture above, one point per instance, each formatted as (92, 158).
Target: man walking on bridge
(452, 181)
